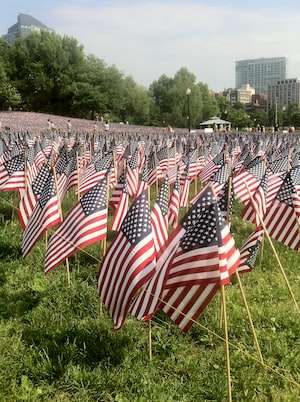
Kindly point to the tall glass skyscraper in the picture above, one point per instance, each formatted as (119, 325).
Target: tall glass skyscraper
(260, 73)
(25, 26)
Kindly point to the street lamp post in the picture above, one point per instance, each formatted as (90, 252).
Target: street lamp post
(283, 111)
(188, 93)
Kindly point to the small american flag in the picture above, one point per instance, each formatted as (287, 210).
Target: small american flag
(249, 251)
(133, 173)
(121, 208)
(45, 215)
(85, 224)
(129, 262)
(174, 202)
(282, 218)
(146, 304)
(12, 174)
(30, 196)
(159, 217)
(94, 172)
(252, 175)
(206, 255)
(259, 199)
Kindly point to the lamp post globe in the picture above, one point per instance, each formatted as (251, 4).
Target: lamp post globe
(188, 93)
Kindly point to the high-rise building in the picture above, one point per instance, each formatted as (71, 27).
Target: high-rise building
(25, 26)
(260, 73)
(284, 93)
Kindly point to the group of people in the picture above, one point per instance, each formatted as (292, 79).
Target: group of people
(51, 128)
(96, 127)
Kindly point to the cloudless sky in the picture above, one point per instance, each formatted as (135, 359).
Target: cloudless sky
(145, 39)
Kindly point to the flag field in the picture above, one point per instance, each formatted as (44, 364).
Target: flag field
(57, 344)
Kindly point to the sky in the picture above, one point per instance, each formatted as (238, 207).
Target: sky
(146, 39)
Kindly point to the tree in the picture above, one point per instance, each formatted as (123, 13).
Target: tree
(45, 65)
(89, 97)
(9, 96)
(170, 102)
(258, 117)
(239, 118)
(137, 103)
(210, 105)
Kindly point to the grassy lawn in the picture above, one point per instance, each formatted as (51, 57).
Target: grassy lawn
(57, 345)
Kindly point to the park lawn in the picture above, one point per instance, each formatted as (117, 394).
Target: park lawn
(57, 342)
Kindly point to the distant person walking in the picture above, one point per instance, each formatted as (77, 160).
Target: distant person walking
(53, 127)
(69, 126)
(48, 125)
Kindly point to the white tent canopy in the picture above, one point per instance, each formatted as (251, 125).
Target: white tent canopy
(215, 121)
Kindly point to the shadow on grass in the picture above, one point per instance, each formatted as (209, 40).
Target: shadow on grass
(18, 303)
(10, 250)
(84, 346)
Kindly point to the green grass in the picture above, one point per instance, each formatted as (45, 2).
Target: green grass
(55, 345)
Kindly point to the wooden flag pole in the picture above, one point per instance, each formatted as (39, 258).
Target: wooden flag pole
(273, 249)
(226, 344)
(196, 176)
(150, 339)
(78, 176)
(61, 219)
(249, 316)
(156, 181)
(104, 242)
(241, 286)
(261, 251)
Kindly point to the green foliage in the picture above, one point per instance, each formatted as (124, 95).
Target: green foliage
(56, 345)
(44, 72)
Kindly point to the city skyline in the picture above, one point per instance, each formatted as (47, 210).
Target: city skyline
(148, 39)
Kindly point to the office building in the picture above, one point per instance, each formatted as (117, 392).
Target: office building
(260, 73)
(284, 93)
(242, 95)
(25, 26)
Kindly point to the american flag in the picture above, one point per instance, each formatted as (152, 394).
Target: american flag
(193, 163)
(282, 218)
(226, 199)
(274, 183)
(69, 177)
(249, 251)
(206, 256)
(154, 170)
(211, 167)
(143, 183)
(159, 217)
(39, 157)
(4, 151)
(129, 262)
(121, 208)
(243, 159)
(174, 203)
(133, 173)
(166, 158)
(259, 199)
(117, 191)
(12, 174)
(280, 165)
(30, 196)
(45, 215)
(94, 172)
(220, 177)
(85, 224)
(146, 304)
(185, 187)
(30, 167)
(251, 175)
